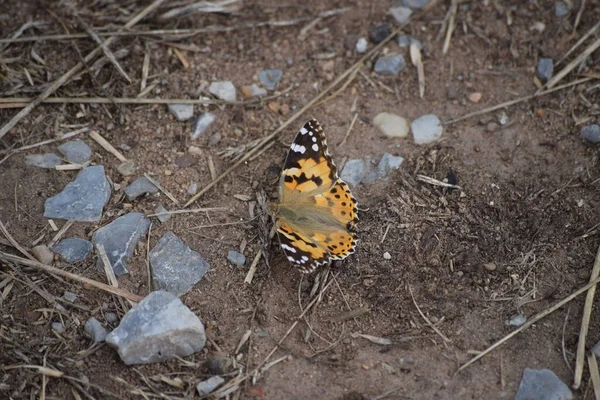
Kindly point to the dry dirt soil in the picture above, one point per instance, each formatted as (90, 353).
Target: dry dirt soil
(508, 242)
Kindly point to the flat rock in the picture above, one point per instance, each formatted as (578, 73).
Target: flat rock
(43, 254)
(75, 151)
(208, 386)
(545, 69)
(353, 172)
(426, 129)
(391, 125)
(387, 164)
(164, 214)
(175, 267)
(49, 160)
(157, 329)
(201, 124)
(591, 133)
(542, 384)
(69, 296)
(414, 4)
(140, 186)
(182, 112)
(119, 239)
(379, 32)
(253, 91)
(73, 249)
(95, 330)
(270, 78)
(401, 14)
(236, 258)
(391, 64)
(83, 199)
(224, 90)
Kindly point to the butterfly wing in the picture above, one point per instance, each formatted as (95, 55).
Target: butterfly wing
(303, 252)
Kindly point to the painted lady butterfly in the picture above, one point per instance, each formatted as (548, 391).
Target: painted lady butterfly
(316, 212)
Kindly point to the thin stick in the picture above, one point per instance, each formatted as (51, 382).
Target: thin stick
(578, 17)
(252, 270)
(162, 189)
(322, 94)
(451, 25)
(107, 146)
(61, 232)
(594, 374)
(589, 33)
(349, 129)
(431, 325)
(66, 136)
(585, 323)
(14, 243)
(570, 66)
(435, 182)
(68, 275)
(527, 324)
(67, 75)
(516, 101)
(192, 211)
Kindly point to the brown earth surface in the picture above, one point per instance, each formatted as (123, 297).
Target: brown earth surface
(529, 191)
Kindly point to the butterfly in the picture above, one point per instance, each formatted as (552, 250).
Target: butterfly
(316, 213)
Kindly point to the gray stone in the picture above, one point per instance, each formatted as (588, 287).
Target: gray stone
(516, 320)
(254, 91)
(164, 214)
(43, 254)
(270, 78)
(111, 317)
(140, 186)
(391, 125)
(75, 151)
(119, 239)
(236, 258)
(69, 296)
(391, 64)
(361, 45)
(95, 330)
(545, 69)
(201, 124)
(193, 188)
(406, 41)
(414, 4)
(379, 32)
(175, 267)
(503, 120)
(157, 329)
(73, 249)
(224, 90)
(371, 174)
(353, 172)
(387, 164)
(127, 168)
(83, 199)
(58, 327)
(208, 386)
(561, 8)
(50, 160)
(426, 129)
(542, 384)
(182, 112)
(401, 14)
(591, 133)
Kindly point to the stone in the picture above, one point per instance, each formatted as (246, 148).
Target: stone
(119, 239)
(361, 45)
(406, 41)
(43, 254)
(426, 129)
(353, 172)
(185, 161)
(516, 320)
(542, 384)
(175, 267)
(140, 186)
(159, 328)
(75, 151)
(387, 256)
(73, 250)
(182, 112)
(164, 214)
(561, 8)
(208, 386)
(596, 349)
(503, 120)
(49, 160)
(127, 168)
(58, 327)
(193, 188)
(379, 32)
(401, 14)
(253, 91)
(69, 296)
(95, 330)
(414, 4)
(591, 133)
(224, 90)
(406, 362)
(201, 124)
(387, 164)
(236, 258)
(270, 78)
(111, 317)
(475, 97)
(545, 69)
(83, 199)
(391, 125)
(389, 65)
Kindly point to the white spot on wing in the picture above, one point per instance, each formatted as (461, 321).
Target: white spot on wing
(298, 148)
(288, 248)
(315, 147)
(304, 131)
(314, 139)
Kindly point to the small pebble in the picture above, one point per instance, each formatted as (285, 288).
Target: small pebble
(387, 256)
(491, 126)
(127, 168)
(270, 78)
(95, 330)
(391, 125)
(201, 124)
(538, 26)
(224, 90)
(361, 45)
(401, 14)
(380, 32)
(253, 91)
(392, 64)
(182, 112)
(58, 327)
(561, 8)
(43, 160)
(426, 129)
(545, 69)
(69, 296)
(111, 317)
(516, 320)
(353, 172)
(490, 266)
(75, 151)
(406, 41)
(193, 189)
(475, 97)
(43, 254)
(503, 120)
(414, 4)
(197, 151)
(591, 133)
(406, 363)
(236, 258)
(125, 147)
(162, 217)
(208, 386)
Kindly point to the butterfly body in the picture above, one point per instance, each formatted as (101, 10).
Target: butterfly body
(316, 212)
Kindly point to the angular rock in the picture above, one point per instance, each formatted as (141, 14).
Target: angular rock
(561, 8)
(380, 32)
(391, 125)
(253, 91)
(83, 199)
(201, 124)
(140, 186)
(69, 296)
(157, 329)
(371, 174)
(73, 249)
(270, 78)
(353, 172)
(391, 64)
(542, 384)
(127, 168)
(591, 133)
(387, 164)
(224, 90)
(49, 160)
(164, 214)
(95, 330)
(119, 239)
(426, 129)
(401, 14)
(208, 386)
(76, 151)
(175, 267)
(545, 69)
(182, 112)
(361, 45)
(236, 258)
(406, 41)
(516, 320)
(414, 4)
(43, 254)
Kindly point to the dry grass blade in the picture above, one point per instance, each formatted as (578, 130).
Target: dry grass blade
(589, 33)
(417, 61)
(61, 232)
(43, 370)
(347, 135)
(351, 314)
(162, 189)
(570, 66)
(435, 182)
(594, 373)
(224, 6)
(107, 146)
(14, 243)
(431, 325)
(252, 269)
(66, 136)
(451, 26)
